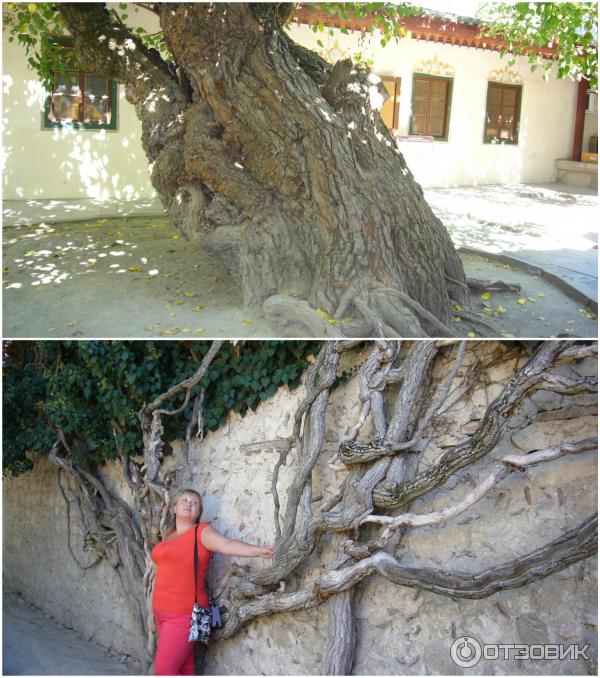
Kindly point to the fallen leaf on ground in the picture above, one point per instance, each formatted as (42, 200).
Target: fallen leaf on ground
(486, 295)
(522, 301)
(247, 321)
(135, 269)
(190, 294)
(458, 307)
(198, 308)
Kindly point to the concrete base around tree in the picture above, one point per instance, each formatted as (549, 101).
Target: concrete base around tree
(551, 226)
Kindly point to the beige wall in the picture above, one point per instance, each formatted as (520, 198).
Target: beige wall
(401, 630)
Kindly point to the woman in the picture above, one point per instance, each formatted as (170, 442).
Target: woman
(173, 596)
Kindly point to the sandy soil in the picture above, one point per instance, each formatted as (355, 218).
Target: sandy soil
(135, 277)
(35, 644)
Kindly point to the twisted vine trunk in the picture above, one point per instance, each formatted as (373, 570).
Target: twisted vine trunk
(379, 473)
(279, 164)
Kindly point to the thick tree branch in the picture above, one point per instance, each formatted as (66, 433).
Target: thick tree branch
(493, 424)
(507, 465)
(576, 544)
(186, 385)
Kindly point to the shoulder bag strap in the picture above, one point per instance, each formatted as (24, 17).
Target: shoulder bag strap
(212, 581)
(196, 564)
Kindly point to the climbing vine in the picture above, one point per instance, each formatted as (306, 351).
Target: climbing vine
(84, 386)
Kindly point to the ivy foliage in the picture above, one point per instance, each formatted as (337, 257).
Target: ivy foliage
(85, 386)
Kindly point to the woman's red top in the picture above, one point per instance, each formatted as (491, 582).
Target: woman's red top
(174, 582)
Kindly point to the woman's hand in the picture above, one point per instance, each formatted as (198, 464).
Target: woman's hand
(264, 551)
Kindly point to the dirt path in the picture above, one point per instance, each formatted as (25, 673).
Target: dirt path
(135, 277)
(35, 644)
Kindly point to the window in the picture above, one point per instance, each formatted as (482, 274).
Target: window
(80, 99)
(431, 100)
(390, 112)
(502, 114)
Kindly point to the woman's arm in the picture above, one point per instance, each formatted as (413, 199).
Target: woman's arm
(214, 541)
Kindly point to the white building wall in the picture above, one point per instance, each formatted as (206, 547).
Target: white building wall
(47, 164)
(547, 111)
(590, 128)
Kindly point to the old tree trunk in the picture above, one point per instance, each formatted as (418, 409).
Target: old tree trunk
(279, 164)
(327, 545)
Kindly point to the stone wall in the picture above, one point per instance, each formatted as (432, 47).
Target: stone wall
(401, 630)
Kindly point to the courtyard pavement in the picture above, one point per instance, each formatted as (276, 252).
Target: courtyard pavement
(552, 227)
(35, 644)
(548, 227)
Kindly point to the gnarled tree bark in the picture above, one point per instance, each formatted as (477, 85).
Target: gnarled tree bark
(280, 165)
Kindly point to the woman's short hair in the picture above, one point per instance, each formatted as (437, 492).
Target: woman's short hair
(177, 496)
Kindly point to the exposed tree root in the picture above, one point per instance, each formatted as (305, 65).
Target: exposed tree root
(498, 286)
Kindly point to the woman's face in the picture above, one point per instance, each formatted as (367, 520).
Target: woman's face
(188, 507)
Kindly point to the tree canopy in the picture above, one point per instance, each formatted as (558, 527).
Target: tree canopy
(570, 27)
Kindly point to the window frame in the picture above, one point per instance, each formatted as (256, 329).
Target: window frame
(517, 127)
(397, 80)
(450, 81)
(50, 124)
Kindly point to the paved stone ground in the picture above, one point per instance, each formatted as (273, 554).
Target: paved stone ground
(34, 644)
(552, 226)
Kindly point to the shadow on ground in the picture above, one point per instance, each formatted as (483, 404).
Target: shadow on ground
(136, 277)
